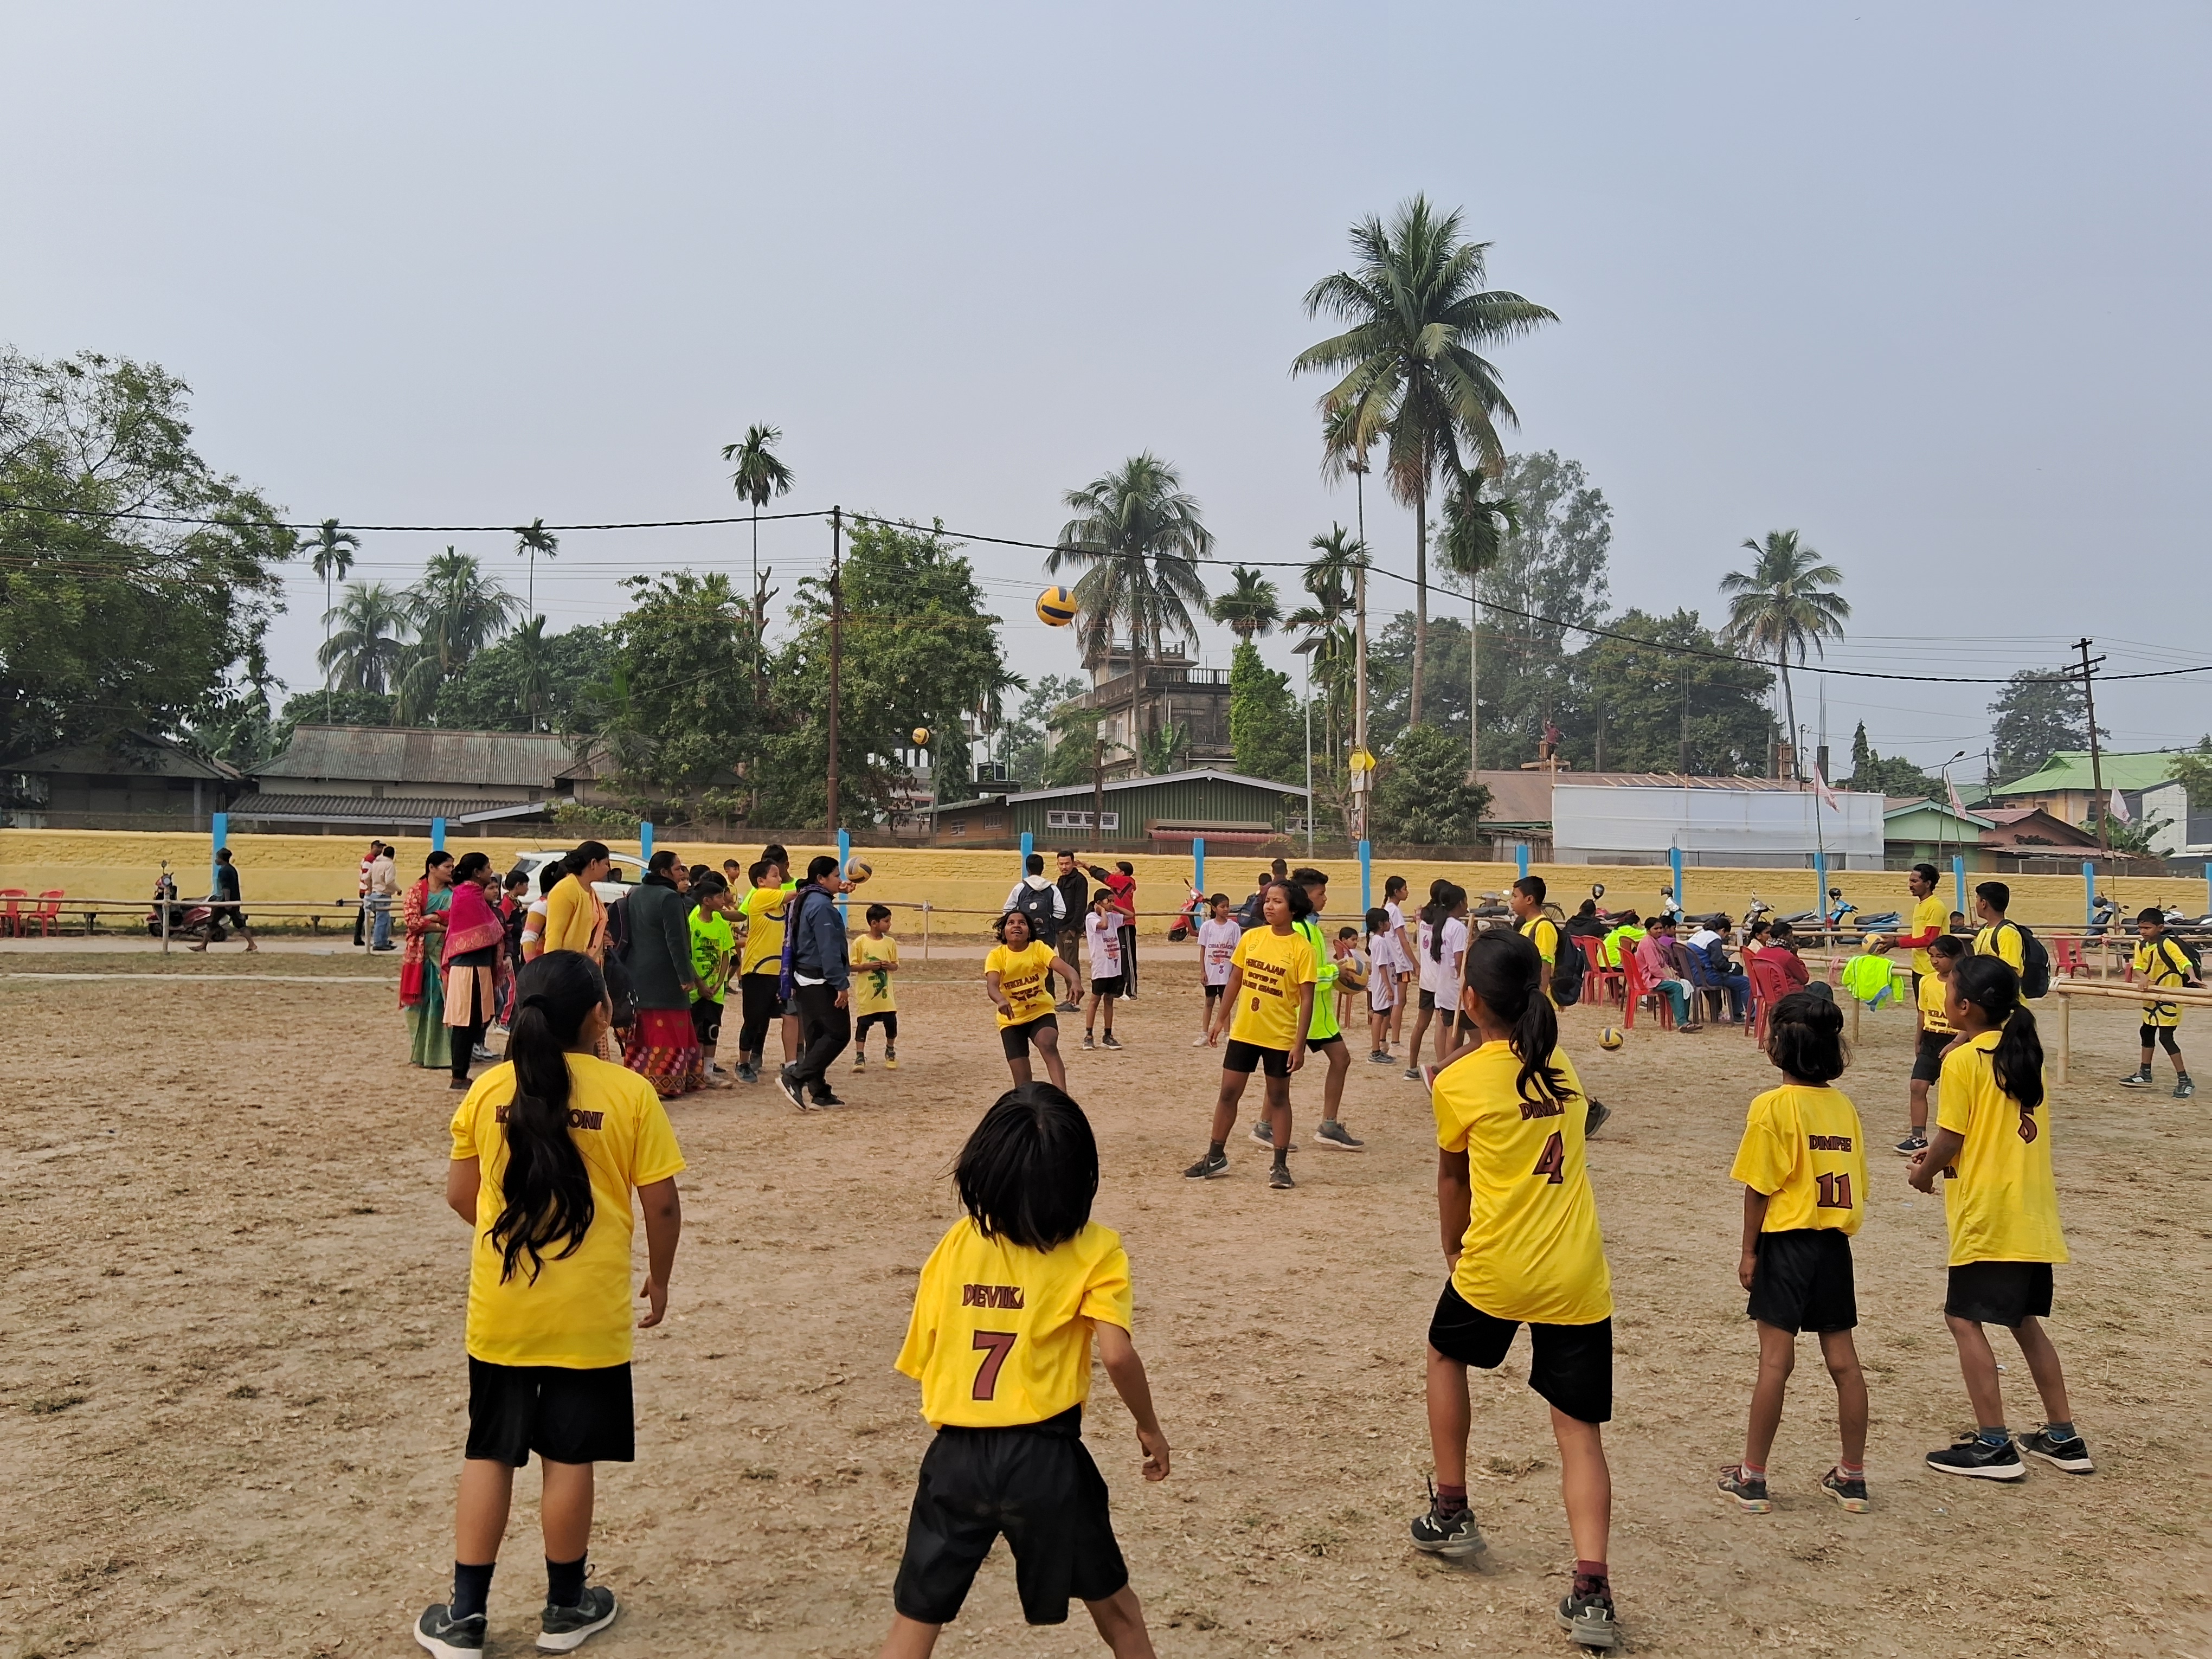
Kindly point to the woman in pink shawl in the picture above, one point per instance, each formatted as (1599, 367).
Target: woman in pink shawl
(473, 960)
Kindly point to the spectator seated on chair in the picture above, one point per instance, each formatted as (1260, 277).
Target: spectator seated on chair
(1658, 959)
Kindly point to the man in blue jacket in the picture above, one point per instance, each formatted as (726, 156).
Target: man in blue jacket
(818, 984)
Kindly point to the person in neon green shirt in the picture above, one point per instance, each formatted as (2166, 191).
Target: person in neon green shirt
(714, 952)
(1628, 930)
(1869, 976)
(1323, 1035)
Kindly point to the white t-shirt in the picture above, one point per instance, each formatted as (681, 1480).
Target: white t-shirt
(1216, 943)
(1440, 977)
(1105, 933)
(1381, 981)
(533, 918)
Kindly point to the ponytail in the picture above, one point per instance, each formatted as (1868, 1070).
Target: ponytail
(1504, 970)
(1990, 985)
(547, 1189)
(1444, 897)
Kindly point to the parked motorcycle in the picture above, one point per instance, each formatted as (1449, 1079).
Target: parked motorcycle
(197, 920)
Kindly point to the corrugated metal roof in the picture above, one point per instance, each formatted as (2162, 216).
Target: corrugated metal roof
(1525, 797)
(378, 808)
(2069, 768)
(141, 753)
(382, 754)
(1204, 773)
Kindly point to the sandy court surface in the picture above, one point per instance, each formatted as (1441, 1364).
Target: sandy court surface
(232, 1389)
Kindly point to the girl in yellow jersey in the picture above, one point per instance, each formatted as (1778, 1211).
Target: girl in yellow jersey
(1802, 1164)
(1932, 991)
(1017, 974)
(1520, 1239)
(1268, 1008)
(1000, 1342)
(1992, 1148)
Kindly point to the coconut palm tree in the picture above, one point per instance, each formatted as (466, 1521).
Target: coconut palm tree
(333, 549)
(533, 658)
(456, 611)
(1251, 608)
(758, 477)
(1326, 624)
(531, 539)
(1786, 602)
(364, 653)
(1412, 377)
(1137, 536)
(1475, 529)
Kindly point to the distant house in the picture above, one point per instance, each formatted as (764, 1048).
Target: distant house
(352, 780)
(1158, 814)
(1917, 830)
(1176, 692)
(2015, 839)
(135, 781)
(2065, 785)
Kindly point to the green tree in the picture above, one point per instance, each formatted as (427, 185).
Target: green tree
(1422, 795)
(331, 556)
(667, 712)
(529, 681)
(1137, 536)
(110, 624)
(1478, 526)
(1410, 369)
(1687, 709)
(1895, 775)
(1266, 732)
(1783, 603)
(2039, 713)
(530, 540)
(455, 610)
(2194, 769)
(1025, 742)
(369, 647)
(333, 708)
(759, 477)
(1326, 624)
(1251, 607)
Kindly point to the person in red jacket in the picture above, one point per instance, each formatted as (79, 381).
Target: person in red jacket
(1121, 882)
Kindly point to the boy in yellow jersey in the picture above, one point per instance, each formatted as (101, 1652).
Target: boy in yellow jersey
(760, 966)
(875, 959)
(1268, 1008)
(1802, 1164)
(1000, 1342)
(1521, 1243)
(1526, 901)
(1998, 936)
(1929, 918)
(1992, 1148)
(1932, 995)
(2160, 962)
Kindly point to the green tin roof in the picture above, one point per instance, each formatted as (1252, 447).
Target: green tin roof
(2069, 769)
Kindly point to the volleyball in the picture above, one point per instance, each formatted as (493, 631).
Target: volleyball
(921, 737)
(858, 871)
(1055, 607)
(1610, 1038)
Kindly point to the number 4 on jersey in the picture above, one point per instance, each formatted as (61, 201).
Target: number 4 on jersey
(1552, 1165)
(995, 1346)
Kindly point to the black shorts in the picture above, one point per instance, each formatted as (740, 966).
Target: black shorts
(1016, 1039)
(1108, 988)
(1999, 1293)
(1928, 1057)
(1801, 1281)
(707, 1022)
(1248, 1057)
(1570, 1365)
(1428, 998)
(1336, 1037)
(1213, 992)
(887, 1019)
(1037, 1486)
(565, 1415)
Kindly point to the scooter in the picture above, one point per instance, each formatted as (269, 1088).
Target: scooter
(197, 920)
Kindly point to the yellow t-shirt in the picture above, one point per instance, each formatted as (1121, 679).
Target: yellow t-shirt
(871, 986)
(2158, 962)
(1930, 912)
(2002, 942)
(1934, 997)
(764, 910)
(1998, 1194)
(1275, 966)
(1000, 1334)
(1025, 977)
(1544, 933)
(577, 1314)
(1532, 1249)
(1806, 1150)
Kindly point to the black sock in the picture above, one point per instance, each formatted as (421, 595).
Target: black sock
(564, 1582)
(471, 1588)
(1216, 1148)
(1282, 1158)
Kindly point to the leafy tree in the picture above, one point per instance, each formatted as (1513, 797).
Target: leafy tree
(760, 477)
(1422, 795)
(1167, 749)
(1138, 536)
(1025, 742)
(1326, 624)
(331, 556)
(530, 540)
(455, 610)
(1895, 775)
(1411, 375)
(335, 708)
(528, 681)
(1783, 603)
(369, 648)
(1251, 607)
(1476, 542)
(2039, 713)
(669, 712)
(1630, 703)
(1265, 731)
(111, 625)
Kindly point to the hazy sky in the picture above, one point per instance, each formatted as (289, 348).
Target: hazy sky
(1924, 281)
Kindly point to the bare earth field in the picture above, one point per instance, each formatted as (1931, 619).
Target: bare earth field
(232, 1395)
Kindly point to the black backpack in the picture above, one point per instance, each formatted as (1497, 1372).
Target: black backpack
(1035, 904)
(1567, 968)
(2034, 963)
(2195, 972)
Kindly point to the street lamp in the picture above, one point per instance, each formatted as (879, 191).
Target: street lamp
(1944, 806)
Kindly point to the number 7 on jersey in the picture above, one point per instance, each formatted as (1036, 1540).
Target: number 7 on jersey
(995, 1346)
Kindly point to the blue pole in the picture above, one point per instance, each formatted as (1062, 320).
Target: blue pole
(2208, 888)
(1197, 857)
(1029, 846)
(1959, 883)
(1674, 859)
(1367, 877)
(2088, 892)
(1521, 855)
(1821, 882)
(437, 834)
(645, 842)
(219, 838)
(844, 858)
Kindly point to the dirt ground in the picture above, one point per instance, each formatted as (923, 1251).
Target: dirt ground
(232, 1388)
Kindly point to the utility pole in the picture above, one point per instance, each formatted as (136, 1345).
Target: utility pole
(1098, 791)
(2096, 760)
(837, 647)
(1682, 761)
(1358, 467)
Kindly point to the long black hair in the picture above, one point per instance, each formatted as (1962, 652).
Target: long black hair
(587, 853)
(1030, 1170)
(1990, 985)
(1444, 897)
(1502, 969)
(547, 1192)
(1805, 1038)
(471, 866)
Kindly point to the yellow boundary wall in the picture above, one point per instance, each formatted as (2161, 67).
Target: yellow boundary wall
(121, 864)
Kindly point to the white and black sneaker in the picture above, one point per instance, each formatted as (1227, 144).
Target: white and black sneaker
(2136, 1079)
(1599, 1113)
(1212, 1167)
(1914, 1144)
(563, 1630)
(786, 1078)
(1335, 1136)
(1976, 1456)
(449, 1637)
(1589, 1619)
(2072, 1455)
(1451, 1534)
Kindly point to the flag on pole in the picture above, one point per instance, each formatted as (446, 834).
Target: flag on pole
(1957, 806)
(2120, 807)
(1826, 795)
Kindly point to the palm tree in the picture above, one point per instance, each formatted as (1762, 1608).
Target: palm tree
(1325, 622)
(365, 651)
(535, 661)
(1251, 608)
(759, 476)
(1785, 603)
(531, 539)
(1475, 529)
(1412, 377)
(1341, 451)
(1138, 536)
(456, 611)
(333, 556)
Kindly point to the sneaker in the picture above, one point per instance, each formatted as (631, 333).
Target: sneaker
(2183, 1090)
(1600, 1114)
(1588, 1620)
(480, 1053)
(1279, 1178)
(1451, 1534)
(1851, 1494)
(1129, 996)
(1749, 1492)
(459, 1082)
(2136, 1080)
(1212, 1167)
(450, 1637)
(1109, 1042)
(1382, 1057)
(1913, 1144)
(1335, 1135)
(1975, 1456)
(891, 1062)
(1263, 1132)
(786, 1078)
(1088, 1045)
(2071, 1456)
(826, 1098)
(563, 1630)
(1201, 1041)
(1413, 1074)
(859, 1063)
(1068, 1007)
(748, 1073)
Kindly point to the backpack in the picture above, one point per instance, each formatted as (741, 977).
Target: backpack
(2034, 963)
(2194, 973)
(1035, 904)
(1567, 967)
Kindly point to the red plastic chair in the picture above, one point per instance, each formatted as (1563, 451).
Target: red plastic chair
(47, 917)
(11, 918)
(2066, 955)
(1599, 978)
(1635, 987)
(1769, 985)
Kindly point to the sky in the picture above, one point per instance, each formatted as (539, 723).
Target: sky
(1922, 282)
